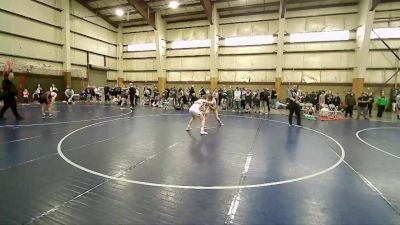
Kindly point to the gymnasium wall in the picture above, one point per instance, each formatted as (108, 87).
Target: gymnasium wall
(32, 38)
(189, 64)
(30, 35)
(93, 41)
(247, 63)
(139, 66)
(320, 62)
(382, 63)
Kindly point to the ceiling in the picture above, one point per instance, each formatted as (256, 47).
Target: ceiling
(194, 10)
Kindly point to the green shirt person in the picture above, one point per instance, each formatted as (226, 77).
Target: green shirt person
(382, 102)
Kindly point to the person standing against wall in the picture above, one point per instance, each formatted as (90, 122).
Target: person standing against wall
(229, 94)
(9, 94)
(371, 101)
(266, 99)
(263, 103)
(132, 95)
(362, 105)
(350, 102)
(237, 96)
(294, 105)
(398, 106)
(274, 97)
(106, 93)
(382, 102)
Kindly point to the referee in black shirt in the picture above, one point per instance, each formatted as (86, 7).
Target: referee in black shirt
(9, 95)
(294, 105)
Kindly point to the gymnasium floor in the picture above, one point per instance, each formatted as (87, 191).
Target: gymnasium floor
(102, 165)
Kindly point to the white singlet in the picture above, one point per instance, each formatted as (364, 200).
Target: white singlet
(195, 108)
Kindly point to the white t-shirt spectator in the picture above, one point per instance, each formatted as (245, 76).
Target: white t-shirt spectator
(236, 95)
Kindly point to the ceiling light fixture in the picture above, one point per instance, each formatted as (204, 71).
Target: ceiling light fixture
(173, 4)
(119, 12)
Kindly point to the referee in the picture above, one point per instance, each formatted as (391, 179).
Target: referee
(294, 105)
(132, 95)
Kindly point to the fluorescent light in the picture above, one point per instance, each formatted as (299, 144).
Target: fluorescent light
(386, 33)
(119, 12)
(173, 4)
(191, 44)
(249, 40)
(320, 36)
(142, 47)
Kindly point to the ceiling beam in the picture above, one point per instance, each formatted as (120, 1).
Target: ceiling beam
(131, 13)
(208, 8)
(89, 1)
(263, 5)
(248, 13)
(374, 4)
(283, 4)
(93, 10)
(323, 6)
(113, 7)
(145, 10)
(195, 13)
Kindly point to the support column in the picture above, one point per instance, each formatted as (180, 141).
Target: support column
(161, 53)
(214, 60)
(120, 50)
(120, 82)
(67, 79)
(66, 40)
(280, 47)
(279, 51)
(278, 87)
(358, 86)
(279, 57)
(365, 21)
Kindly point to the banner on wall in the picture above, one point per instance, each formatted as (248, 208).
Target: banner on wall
(21, 81)
(308, 79)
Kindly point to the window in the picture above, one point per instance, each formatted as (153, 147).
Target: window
(142, 47)
(191, 44)
(386, 33)
(320, 36)
(249, 40)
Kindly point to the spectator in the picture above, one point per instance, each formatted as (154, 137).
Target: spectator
(25, 95)
(371, 101)
(230, 96)
(274, 97)
(350, 102)
(69, 94)
(237, 97)
(321, 99)
(248, 100)
(328, 98)
(106, 93)
(382, 102)
(313, 99)
(336, 101)
(362, 105)
(256, 101)
(398, 106)
(37, 93)
(243, 98)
